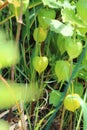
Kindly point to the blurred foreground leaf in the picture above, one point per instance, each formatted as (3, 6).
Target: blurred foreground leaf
(12, 93)
(9, 53)
(4, 125)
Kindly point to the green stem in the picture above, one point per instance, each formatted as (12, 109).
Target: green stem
(72, 88)
(81, 113)
(74, 34)
(41, 84)
(62, 119)
(36, 116)
(61, 85)
(78, 124)
(5, 20)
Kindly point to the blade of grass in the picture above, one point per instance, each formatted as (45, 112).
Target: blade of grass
(35, 3)
(83, 113)
(41, 121)
(22, 73)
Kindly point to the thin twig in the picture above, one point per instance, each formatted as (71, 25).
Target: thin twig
(19, 20)
(62, 119)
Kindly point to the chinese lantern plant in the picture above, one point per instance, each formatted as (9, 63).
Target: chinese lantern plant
(39, 34)
(40, 63)
(71, 102)
(73, 48)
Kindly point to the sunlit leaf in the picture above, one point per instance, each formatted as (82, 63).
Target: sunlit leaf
(68, 15)
(67, 4)
(1, 2)
(52, 3)
(16, 3)
(59, 27)
(16, 6)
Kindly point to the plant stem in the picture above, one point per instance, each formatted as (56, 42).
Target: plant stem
(41, 84)
(5, 20)
(61, 124)
(17, 40)
(77, 127)
(71, 121)
(19, 21)
(36, 115)
(36, 3)
(23, 122)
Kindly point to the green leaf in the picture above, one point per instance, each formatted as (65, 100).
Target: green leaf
(68, 15)
(61, 43)
(58, 27)
(52, 3)
(77, 88)
(55, 97)
(34, 3)
(67, 4)
(83, 74)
